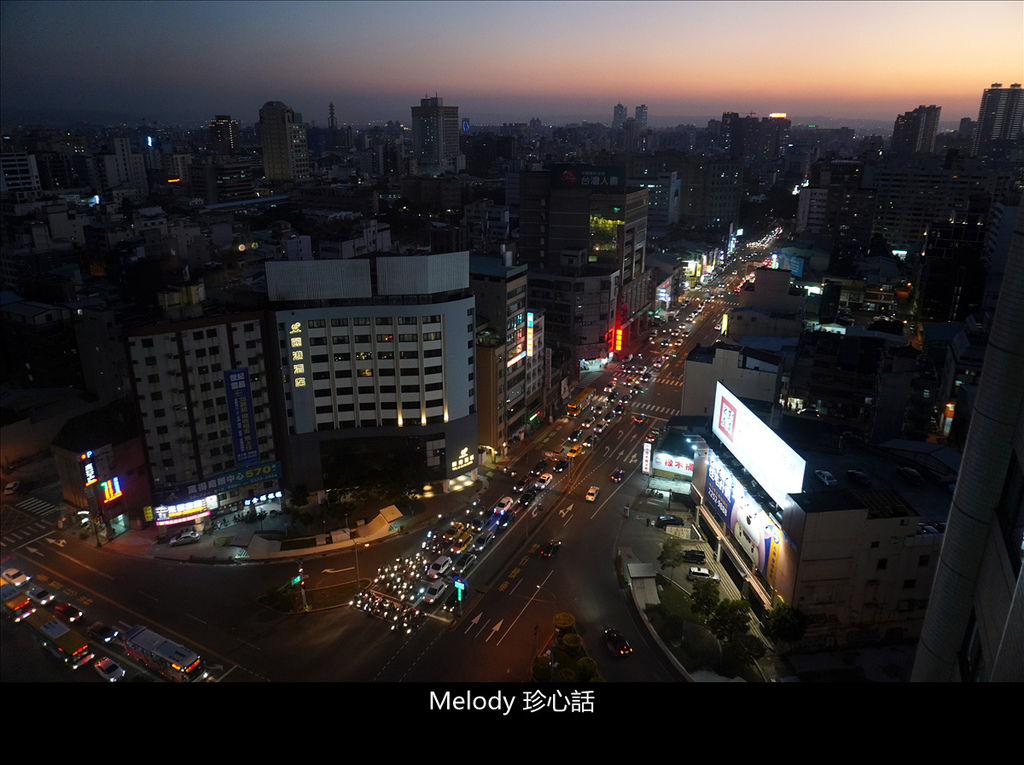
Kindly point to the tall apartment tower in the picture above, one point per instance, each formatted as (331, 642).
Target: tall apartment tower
(975, 620)
(640, 115)
(435, 136)
(283, 135)
(1000, 117)
(618, 117)
(224, 134)
(914, 131)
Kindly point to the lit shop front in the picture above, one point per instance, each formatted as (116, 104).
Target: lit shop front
(243, 489)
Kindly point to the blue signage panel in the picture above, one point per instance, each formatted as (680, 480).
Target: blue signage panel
(243, 428)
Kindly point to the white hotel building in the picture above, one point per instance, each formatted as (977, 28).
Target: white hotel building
(371, 348)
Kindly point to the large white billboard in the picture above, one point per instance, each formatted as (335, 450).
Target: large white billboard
(767, 458)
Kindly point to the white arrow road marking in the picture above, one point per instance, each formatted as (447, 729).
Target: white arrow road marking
(58, 542)
(565, 510)
(494, 629)
(338, 570)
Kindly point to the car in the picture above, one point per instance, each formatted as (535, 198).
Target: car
(462, 542)
(465, 562)
(587, 423)
(575, 435)
(694, 556)
(435, 591)
(544, 480)
(528, 496)
(439, 567)
(617, 476)
(575, 451)
(12, 488)
(483, 542)
(503, 505)
(826, 477)
(561, 466)
(186, 537)
(16, 577)
(858, 476)
(40, 596)
(599, 429)
(910, 475)
(551, 548)
(652, 435)
(102, 632)
(22, 610)
(589, 441)
(697, 573)
(810, 412)
(67, 612)
(109, 669)
(592, 493)
(613, 396)
(521, 484)
(82, 660)
(539, 468)
(665, 521)
(618, 410)
(616, 643)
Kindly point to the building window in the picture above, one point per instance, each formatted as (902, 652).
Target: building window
(882, 563)
(909, 584)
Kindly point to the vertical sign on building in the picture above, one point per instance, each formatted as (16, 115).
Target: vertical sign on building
(646, 464)
(298, 354)
(243, 431)
(529, 334)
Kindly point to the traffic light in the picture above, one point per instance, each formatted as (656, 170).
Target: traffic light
(302, 576)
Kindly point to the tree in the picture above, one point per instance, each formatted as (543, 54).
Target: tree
(730, 620)
(671, 554)
(705, 597)
(784, 623)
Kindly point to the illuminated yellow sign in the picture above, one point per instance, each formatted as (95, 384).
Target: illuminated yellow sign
(464, 459)
(298, 354)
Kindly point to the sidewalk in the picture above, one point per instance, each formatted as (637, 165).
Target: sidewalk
(261, 541)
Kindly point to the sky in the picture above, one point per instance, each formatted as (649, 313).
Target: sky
(184, 62)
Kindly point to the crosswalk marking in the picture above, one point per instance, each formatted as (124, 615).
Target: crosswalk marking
(36, 507)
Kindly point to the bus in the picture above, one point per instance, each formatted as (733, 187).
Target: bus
(579, 404)
(66, 644)
(163, 656)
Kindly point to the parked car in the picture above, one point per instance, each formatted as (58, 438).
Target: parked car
(109, 669)
(186, 537)
(910, 475)
(858, 476)
(668, 520)
(694, 556)
(616, 643)
(826, 477)
(699, 572)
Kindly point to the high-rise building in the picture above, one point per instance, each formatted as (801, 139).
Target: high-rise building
(435, 136)
(974, 624)
(224, 134)
(1000, 117)
(283, 136)
(640, 115)
(618, 117)
(914, 131)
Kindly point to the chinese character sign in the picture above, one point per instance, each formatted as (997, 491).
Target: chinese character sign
(240, 415)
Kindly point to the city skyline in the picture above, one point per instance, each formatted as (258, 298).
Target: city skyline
(182, 63)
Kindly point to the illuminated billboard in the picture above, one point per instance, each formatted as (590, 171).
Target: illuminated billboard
(529, 334)
(668, 463)
(767, 458)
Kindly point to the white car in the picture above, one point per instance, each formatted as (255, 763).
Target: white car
(439, 567)
(109, 669)
(826, 477)
(187, 537)
(592, 494)
(503, 505)
(699, 572)
(544, 480)
(435, 591)
(16, 577)
(12, 488)
(40, 596)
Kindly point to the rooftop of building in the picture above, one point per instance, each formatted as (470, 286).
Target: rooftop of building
(111, 424)
(487, 265)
